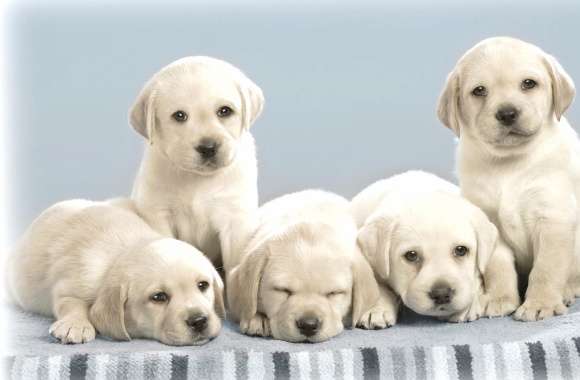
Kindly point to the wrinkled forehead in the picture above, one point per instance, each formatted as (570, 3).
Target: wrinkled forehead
(502, 61)
(308, 265)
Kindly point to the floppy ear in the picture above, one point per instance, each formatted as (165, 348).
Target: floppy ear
(448, 106)
(487, 236)
(218, 294)
(252, 101)
(142, 114)
(243, 284)
(563, 90)
(374, 241)
(365, 289)
(107, 314)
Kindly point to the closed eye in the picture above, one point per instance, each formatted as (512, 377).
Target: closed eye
(287, 291)
(335, 293)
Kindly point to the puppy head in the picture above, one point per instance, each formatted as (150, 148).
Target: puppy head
(431, 252)
(168, 291)
(306, 281)
(502, 91)
(195, 110)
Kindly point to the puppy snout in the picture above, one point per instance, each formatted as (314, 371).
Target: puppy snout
(507, 115)
(197, 322)
(309, 325)
(441, 294)
(207, 148)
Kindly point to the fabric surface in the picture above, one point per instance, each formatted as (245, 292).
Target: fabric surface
(416, 348)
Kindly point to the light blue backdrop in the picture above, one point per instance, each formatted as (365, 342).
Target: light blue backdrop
(350, 88)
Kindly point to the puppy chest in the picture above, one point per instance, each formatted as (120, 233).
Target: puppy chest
(195, 229)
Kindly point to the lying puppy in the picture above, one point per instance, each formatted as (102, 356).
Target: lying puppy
(302, 275)
(427, 243)
(198, 177)
(97, 265)
(519, 160)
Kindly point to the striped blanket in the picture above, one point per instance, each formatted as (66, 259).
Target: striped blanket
(418, 348)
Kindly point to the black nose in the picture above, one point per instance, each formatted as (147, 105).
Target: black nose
(441, 295)
(207, 149)
(197, 322)
(308, 326)
(507, 115)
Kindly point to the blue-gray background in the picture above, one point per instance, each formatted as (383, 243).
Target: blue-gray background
(350, 87)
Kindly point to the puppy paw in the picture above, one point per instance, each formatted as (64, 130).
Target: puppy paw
(258, 325)
(501, 306)
(468, 315)
(72, 331)
(379, 317)
(535, 310)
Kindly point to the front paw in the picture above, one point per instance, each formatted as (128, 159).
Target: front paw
(535, 310)
(258, 325)
(379, 317)
(72, 331)
(468, 315)
(500, 306)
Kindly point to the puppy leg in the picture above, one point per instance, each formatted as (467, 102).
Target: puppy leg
(259, 325)
(383, 314)
(473, 312)
(500, 296)
(72, 321)
(553, 258)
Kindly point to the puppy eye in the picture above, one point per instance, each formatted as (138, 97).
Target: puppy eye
(224, 111)
(411, 256)
(203, 285)
(159, 297)
(479, 91)
(179, 116)
(528, 84)
(460, 251)
(284, 290)
(335, 293)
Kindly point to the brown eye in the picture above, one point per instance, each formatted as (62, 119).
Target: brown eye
(479, 91)
(159, 297)
(411, 256)
(179, 116)
(203, 285)
(460, 251)
(528, 84)
(224, 111)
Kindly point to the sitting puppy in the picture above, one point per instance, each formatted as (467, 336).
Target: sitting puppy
(302, 275)
(427, 243)
(97, 265)
(519, 160)
(198, 178)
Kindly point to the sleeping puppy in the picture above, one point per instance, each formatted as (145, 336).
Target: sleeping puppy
(98, 266)
(302, 277)
(427, 243)
(519, 160)
(198, 178)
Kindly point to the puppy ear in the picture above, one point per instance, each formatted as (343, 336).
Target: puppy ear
(365, 289)
(243, 284)
(252, 101)
(487, 236)
(448, 106)
(563, 90)
(218, 294)
(374, 241)
(142, 114)
(107, 314)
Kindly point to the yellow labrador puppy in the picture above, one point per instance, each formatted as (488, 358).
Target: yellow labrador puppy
(98, 266)
(198, 177)
(427, 243)
(302, 277)
(519, 160)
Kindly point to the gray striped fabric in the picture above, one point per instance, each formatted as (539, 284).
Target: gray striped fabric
(557, 359)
